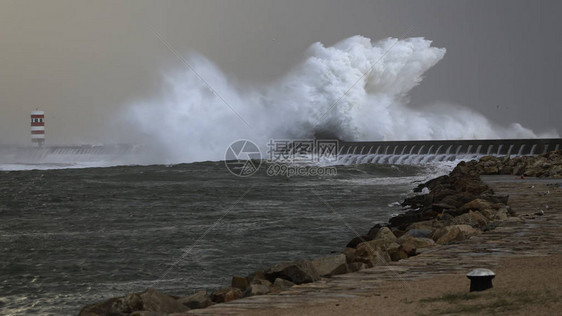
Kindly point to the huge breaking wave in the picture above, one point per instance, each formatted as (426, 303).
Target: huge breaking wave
(353, 90)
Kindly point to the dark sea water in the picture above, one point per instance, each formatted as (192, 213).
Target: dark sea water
(71, 237)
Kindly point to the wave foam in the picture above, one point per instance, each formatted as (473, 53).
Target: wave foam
(354, 90)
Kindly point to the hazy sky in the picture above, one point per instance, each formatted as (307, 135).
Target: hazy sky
(84, 61)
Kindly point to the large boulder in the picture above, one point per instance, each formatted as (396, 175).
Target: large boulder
(386, 234)
(441, 192)
(489, 159)
(409, 249)
(537, 168)
(331, 265)
(130, 303)
(373, 252)
(454, 233)
(555, 170)
(488, 165)
(258, 289)
(418, 233)
(226, 294)
(506, 170)
(435, 182)
(397, 252)
(357, 266)
(402, 221)
(349, 254)
(471, 184)
(282, 284)
(197, 300)
(519, 169)
(258, 278)
(369, 247)
(154, 301)
(240, 283)
(114, 306)
(477, 205)
(149, 300)
(490, 169)
(440, 207)
(467, 230)
(418, 201)
(416, 242)
(496, 200)
(474, 219)
(374, 230)
(364, 250)
(357, 240)
(458, 199)
(376, 259)
(297, 272)
(501, 214)
(424, 225)
(463, 168)
(533, 172)
(488, 213)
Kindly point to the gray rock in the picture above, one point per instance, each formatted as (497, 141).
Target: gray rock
(418, 233)
(330, 265)
(258, 289)
(197, 300)
(147, 301)
(240, 283)
(409, 248)
(297, 272)
(155, 301)
(356, 266)
(474, 219)
(426, 225)
(226, 295)
(357, 240)
(127, 304)
(501, 214)
(371, 256)
(477, 205)
(456, 233)
(416, 242)
(258, 278)
(282, 284)
(398, 254)
(386, 234)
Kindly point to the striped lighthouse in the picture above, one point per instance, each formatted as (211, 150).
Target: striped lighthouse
(38, 127)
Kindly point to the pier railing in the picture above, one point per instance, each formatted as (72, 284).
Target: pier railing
(415, 152)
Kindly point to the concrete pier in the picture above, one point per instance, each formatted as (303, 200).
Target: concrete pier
(419, 152)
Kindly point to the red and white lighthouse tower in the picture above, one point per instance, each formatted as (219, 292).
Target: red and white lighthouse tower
(38, 127)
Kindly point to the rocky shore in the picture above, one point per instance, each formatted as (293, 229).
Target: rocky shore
(449, 209)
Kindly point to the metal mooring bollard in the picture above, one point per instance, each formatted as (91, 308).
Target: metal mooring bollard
(480, 279)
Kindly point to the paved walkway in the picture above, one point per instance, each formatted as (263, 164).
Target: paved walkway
(519, 236)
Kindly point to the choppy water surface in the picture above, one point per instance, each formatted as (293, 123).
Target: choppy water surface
(71, 237)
